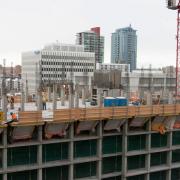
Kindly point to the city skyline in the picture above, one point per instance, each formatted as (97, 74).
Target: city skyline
(31, 24)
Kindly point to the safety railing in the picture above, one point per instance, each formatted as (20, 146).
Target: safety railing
(100, 113)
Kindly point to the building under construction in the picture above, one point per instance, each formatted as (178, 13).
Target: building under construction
(112, 143)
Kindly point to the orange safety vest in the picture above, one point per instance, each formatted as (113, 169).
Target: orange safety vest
(14, 116)
(162, 130)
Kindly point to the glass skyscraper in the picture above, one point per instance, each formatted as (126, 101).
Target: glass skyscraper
(124, 47)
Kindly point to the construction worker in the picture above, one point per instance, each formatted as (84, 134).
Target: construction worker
(44, 102)
(13, 117)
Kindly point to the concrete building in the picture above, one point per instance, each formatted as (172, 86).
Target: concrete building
(13, 85)
(136, 83)
(124, 47)
(156, 81)
(57, 63)
(12, 71)
(92, 42)
(122, 146)
(110, 66)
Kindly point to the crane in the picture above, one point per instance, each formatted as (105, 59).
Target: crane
(173, 5)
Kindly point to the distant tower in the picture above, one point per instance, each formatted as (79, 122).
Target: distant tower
(124, 47)
(93, 42)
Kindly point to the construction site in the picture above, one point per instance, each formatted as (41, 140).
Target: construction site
(86, 125)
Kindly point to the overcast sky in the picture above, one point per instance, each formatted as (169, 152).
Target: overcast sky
(30, 24)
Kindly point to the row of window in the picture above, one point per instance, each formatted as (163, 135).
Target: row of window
(66, 63)
(67, 70)
(53, 75)
(67, 57)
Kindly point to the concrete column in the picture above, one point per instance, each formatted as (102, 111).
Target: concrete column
(148, 148)
(83, 95)
(39, 155)
(22, 100)
(170, 98)
(99, 150)
(71, 101)
(26, 94)
(76, 99)
(99, 97)
(169, 154)
(105, 93)
(54, 96)
(71, 151)
(147, 176)
(49, 93)
(124, 150)
(4, 176)
(71, 96)
(62, 96)
(4, 106)
(168, 174)
(149, 98)
(4, 153)
(90, 93)
(39, 100)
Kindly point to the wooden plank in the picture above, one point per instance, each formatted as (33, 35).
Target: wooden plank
(100, 113)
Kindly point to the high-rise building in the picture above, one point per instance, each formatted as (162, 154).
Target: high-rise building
(124, 47)
(93, 42)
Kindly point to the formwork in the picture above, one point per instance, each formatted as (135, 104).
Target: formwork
(93, 148)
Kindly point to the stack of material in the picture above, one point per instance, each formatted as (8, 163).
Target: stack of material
(55, 129)
(114, 125)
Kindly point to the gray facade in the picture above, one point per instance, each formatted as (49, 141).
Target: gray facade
(124, 47)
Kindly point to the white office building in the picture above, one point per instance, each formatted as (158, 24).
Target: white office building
(57, 63)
